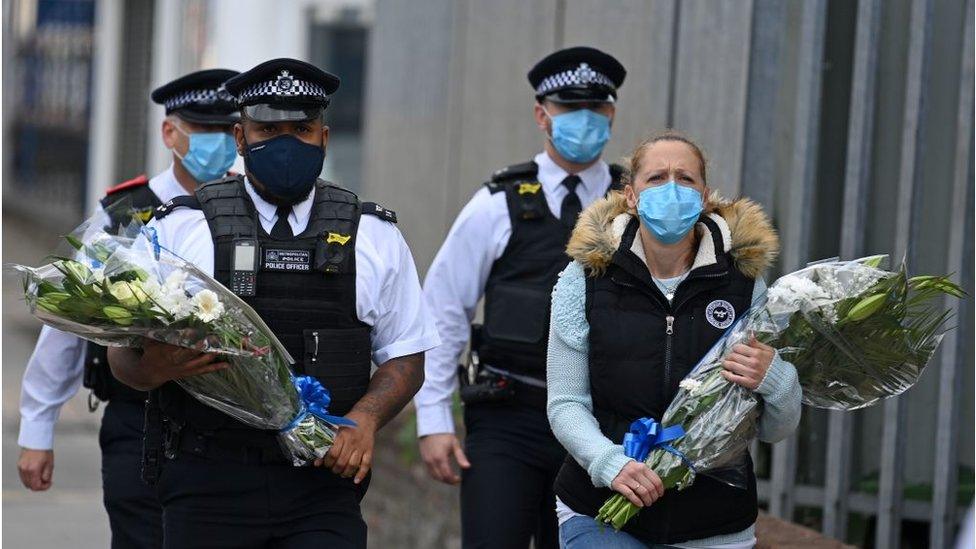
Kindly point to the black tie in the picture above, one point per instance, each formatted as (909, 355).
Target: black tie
(571, 204)
(282, 229)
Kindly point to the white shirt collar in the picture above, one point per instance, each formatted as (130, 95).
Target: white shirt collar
(594, 178)
(165, 185)
(268, 212)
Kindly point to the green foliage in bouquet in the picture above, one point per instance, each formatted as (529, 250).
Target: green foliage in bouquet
(862, 349)
(119, 303)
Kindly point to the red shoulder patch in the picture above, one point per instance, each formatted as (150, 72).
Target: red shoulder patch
(134, 182)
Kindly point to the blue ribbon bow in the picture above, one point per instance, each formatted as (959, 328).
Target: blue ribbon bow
(315, 400)
(647, 434)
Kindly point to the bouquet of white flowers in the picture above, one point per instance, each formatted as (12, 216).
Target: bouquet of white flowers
(856, 334)
(116, 290)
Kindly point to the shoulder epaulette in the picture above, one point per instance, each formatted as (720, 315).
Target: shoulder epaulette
(132, 183)
(515, 172)
(509, 174)
(372, 208)
(494, 187)
(185, 201)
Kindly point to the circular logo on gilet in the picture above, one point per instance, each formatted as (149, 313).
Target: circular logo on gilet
(720, 314)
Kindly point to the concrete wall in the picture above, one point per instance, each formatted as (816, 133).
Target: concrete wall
(448, 101)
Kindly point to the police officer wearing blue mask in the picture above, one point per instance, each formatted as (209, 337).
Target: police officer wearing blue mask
(333, 278)
(508, 245)
(199, 126)
(197, 105)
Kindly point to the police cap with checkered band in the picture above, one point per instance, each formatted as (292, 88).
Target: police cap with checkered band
(578, 74)
(283, 90)
(199, 97)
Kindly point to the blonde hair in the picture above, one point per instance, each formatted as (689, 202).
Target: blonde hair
(634, 160)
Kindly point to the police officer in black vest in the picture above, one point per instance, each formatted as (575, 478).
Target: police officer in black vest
(198, 128)
(508, 245)
(333, 279)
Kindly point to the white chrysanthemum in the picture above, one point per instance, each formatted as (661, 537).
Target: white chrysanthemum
(174, 281)
(796, 292)
(174, 302)
(693, 386)
(207, 306)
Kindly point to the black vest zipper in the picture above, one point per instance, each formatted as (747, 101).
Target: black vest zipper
(669, 318)
(669, 335)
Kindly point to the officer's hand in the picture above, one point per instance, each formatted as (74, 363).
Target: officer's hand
(747, 364)
(436, 451)
(352, 452)
(638, 483)
(36, 468)
(161, 362)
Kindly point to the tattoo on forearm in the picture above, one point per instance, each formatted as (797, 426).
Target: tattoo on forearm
(392, 387)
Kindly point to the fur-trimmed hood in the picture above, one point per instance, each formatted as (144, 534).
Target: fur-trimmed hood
(747, 234)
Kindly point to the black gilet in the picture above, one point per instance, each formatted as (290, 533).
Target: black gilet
(635, 367)
(132, 199)
(519, 286)
(305, 292)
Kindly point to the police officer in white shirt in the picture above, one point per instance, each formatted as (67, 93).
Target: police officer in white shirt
(507, 245)
(334, 280)
(198, 128)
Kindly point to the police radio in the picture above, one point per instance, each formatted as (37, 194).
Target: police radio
(244, 272)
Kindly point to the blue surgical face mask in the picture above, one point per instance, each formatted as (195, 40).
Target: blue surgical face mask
(669, 211)
(286, 166)
(579, 136)
(209, 156)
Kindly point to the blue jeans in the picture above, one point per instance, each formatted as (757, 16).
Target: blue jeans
(586, 533)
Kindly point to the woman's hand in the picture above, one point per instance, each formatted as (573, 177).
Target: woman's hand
(748, 363)
(638, 483)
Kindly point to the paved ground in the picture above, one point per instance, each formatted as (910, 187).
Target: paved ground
(71, 513)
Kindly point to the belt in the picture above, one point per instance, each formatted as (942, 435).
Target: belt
(527, 380)
(528, 390)
(241, 447)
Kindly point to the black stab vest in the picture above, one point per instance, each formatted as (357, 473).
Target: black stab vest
(519, 286)
(305, 293)
(98, 376)
(635, 368)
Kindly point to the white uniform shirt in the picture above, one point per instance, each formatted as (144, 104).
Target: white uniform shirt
(456, 279)
(55, 369)
(388, 294)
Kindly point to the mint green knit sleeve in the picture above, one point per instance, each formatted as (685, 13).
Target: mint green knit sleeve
(570, 407)
(780, 392)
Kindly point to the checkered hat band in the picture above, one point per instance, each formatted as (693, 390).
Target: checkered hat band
(576, 77)
(195, 97)
(298, 88)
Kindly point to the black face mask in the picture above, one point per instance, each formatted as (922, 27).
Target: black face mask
(286, 166)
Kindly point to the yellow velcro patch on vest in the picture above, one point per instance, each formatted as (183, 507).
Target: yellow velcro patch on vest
(143, 215)
(336, 237)
(529, 188)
